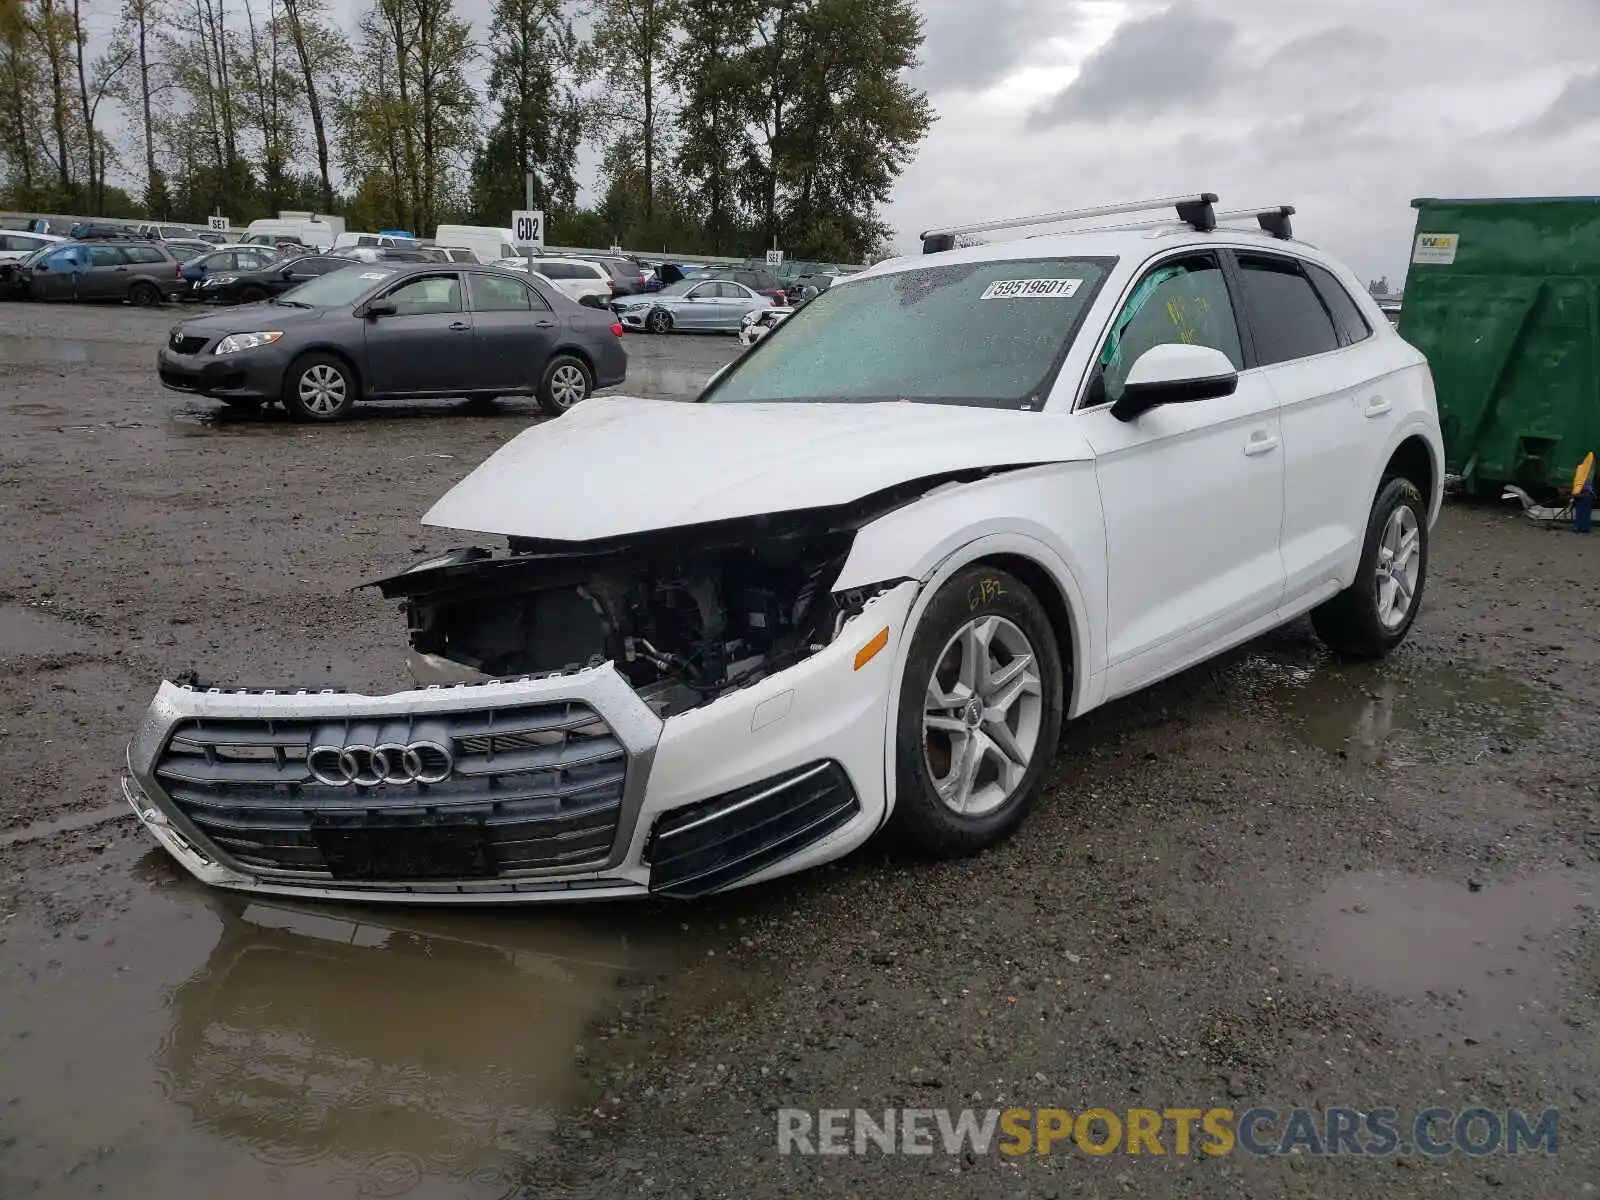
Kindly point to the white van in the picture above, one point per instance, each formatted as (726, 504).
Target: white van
(347, 239)
(316, 234)
(488, 243)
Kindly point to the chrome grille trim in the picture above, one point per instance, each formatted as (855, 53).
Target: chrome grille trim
(554, 769)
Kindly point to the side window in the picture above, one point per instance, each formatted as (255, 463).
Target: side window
(706, 291)
(556, 271)
(732, 291)
(106, 256)
(1183, 300)
(496, 293)
(507, 251)
(1288, 319)
(144, 254)
(429, 295)
(1352, 322)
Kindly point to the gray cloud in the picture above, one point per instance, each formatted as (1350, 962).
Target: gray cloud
(972, 44)
(1576, 106)
(1148, 67)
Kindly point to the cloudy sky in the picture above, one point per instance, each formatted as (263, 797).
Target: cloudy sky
(1346, 109)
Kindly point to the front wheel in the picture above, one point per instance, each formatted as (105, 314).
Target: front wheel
(252, 295)
(319, 387)
(659, 321)
(1373, 615)
(980, 714)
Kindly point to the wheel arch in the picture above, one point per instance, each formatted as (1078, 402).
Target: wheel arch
(1049, 577)
(339, 352)
(572, 351)
(1413, 459)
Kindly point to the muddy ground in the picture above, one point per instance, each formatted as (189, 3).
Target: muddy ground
(1276, 880)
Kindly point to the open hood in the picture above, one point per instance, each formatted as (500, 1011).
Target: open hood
(615, 466)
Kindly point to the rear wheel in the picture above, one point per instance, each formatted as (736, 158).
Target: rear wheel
(319, 387)
(659, 321)
(144, 295)
(1373, 615)
(252, 295)
(980, 714)
(566, 383)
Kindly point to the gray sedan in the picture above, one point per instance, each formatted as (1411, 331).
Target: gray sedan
(716, 304)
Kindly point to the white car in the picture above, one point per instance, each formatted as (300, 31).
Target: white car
(575, 278)
(757, 325)
(16, 246)
(862, 582)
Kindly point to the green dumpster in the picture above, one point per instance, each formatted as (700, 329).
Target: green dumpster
(1503, 296)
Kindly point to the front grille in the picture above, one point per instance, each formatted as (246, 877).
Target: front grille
(181, 380)
(188, 345)
(712, 844)
(482, 794)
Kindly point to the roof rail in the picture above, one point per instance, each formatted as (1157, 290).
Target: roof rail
(1272, 220)
(1195, 210)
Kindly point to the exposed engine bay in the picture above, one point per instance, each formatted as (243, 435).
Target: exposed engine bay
(686, 615)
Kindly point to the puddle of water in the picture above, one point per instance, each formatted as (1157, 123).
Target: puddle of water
(1484, 964)
(271, 1048)
(15, 348)
(1395, 712)
(25, 630)
(67, 824)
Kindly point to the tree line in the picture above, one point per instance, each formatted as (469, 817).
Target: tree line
(721, 126)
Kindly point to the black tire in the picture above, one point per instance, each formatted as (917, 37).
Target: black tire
(1351, 623)
(563, 374)
(252, 295)
(921, 816)
(144, 295)
(659, 321)
(314, 371)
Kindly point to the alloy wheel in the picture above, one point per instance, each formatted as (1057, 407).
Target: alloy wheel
(982, 715)
(1399, 567)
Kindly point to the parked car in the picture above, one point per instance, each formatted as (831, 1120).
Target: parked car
(228, 260)
(628, 278)
(140, 272)
(276, 277)
(668, 273)
(756, 325)
(88, 230)
(718, 305)
(187, 249)
(161, 232)
(461, 254)
(577, 278)
(764, 282)
(398, 253)
(14, 247)
(381, 331)
(959, 500)
(489, 243)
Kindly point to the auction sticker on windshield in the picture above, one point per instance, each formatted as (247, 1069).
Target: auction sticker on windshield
(1032, 289)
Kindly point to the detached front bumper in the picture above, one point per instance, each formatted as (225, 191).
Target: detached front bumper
(562, 787)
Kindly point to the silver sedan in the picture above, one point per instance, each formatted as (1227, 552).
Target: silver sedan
(715, 304)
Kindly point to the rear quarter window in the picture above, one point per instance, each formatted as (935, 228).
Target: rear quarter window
(1353, 325)
(1287, 317)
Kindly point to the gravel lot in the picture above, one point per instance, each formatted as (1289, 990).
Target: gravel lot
(1276, 880)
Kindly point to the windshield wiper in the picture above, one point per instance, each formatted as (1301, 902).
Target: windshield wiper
(290, 303)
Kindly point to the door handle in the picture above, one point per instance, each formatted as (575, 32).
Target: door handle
(1260, 443)
(1377, 406)
(459, 325)
(544, 324)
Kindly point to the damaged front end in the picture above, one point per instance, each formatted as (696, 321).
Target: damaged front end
(672, 712)
(684, 615)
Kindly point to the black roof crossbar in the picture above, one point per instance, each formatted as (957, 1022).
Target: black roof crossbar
(1273, 221)
(1197, 210)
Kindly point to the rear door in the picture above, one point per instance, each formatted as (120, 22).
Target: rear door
(1317, 371)
(514, 330)
(107, 277)
(1193, 493)
(427, 345)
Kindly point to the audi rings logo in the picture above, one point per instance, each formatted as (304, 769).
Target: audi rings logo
(373, 766)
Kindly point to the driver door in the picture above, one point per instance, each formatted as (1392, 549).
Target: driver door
(426, 346)
(1193, 493)
(699, 308)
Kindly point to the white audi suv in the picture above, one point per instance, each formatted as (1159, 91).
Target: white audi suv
(948, 506)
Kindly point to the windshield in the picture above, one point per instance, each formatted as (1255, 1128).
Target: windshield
(344, 285)
(35, 255)
(985, 334)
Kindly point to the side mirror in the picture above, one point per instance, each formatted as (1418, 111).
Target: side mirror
(593, 301)
(1175, 373)
(381, 308)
